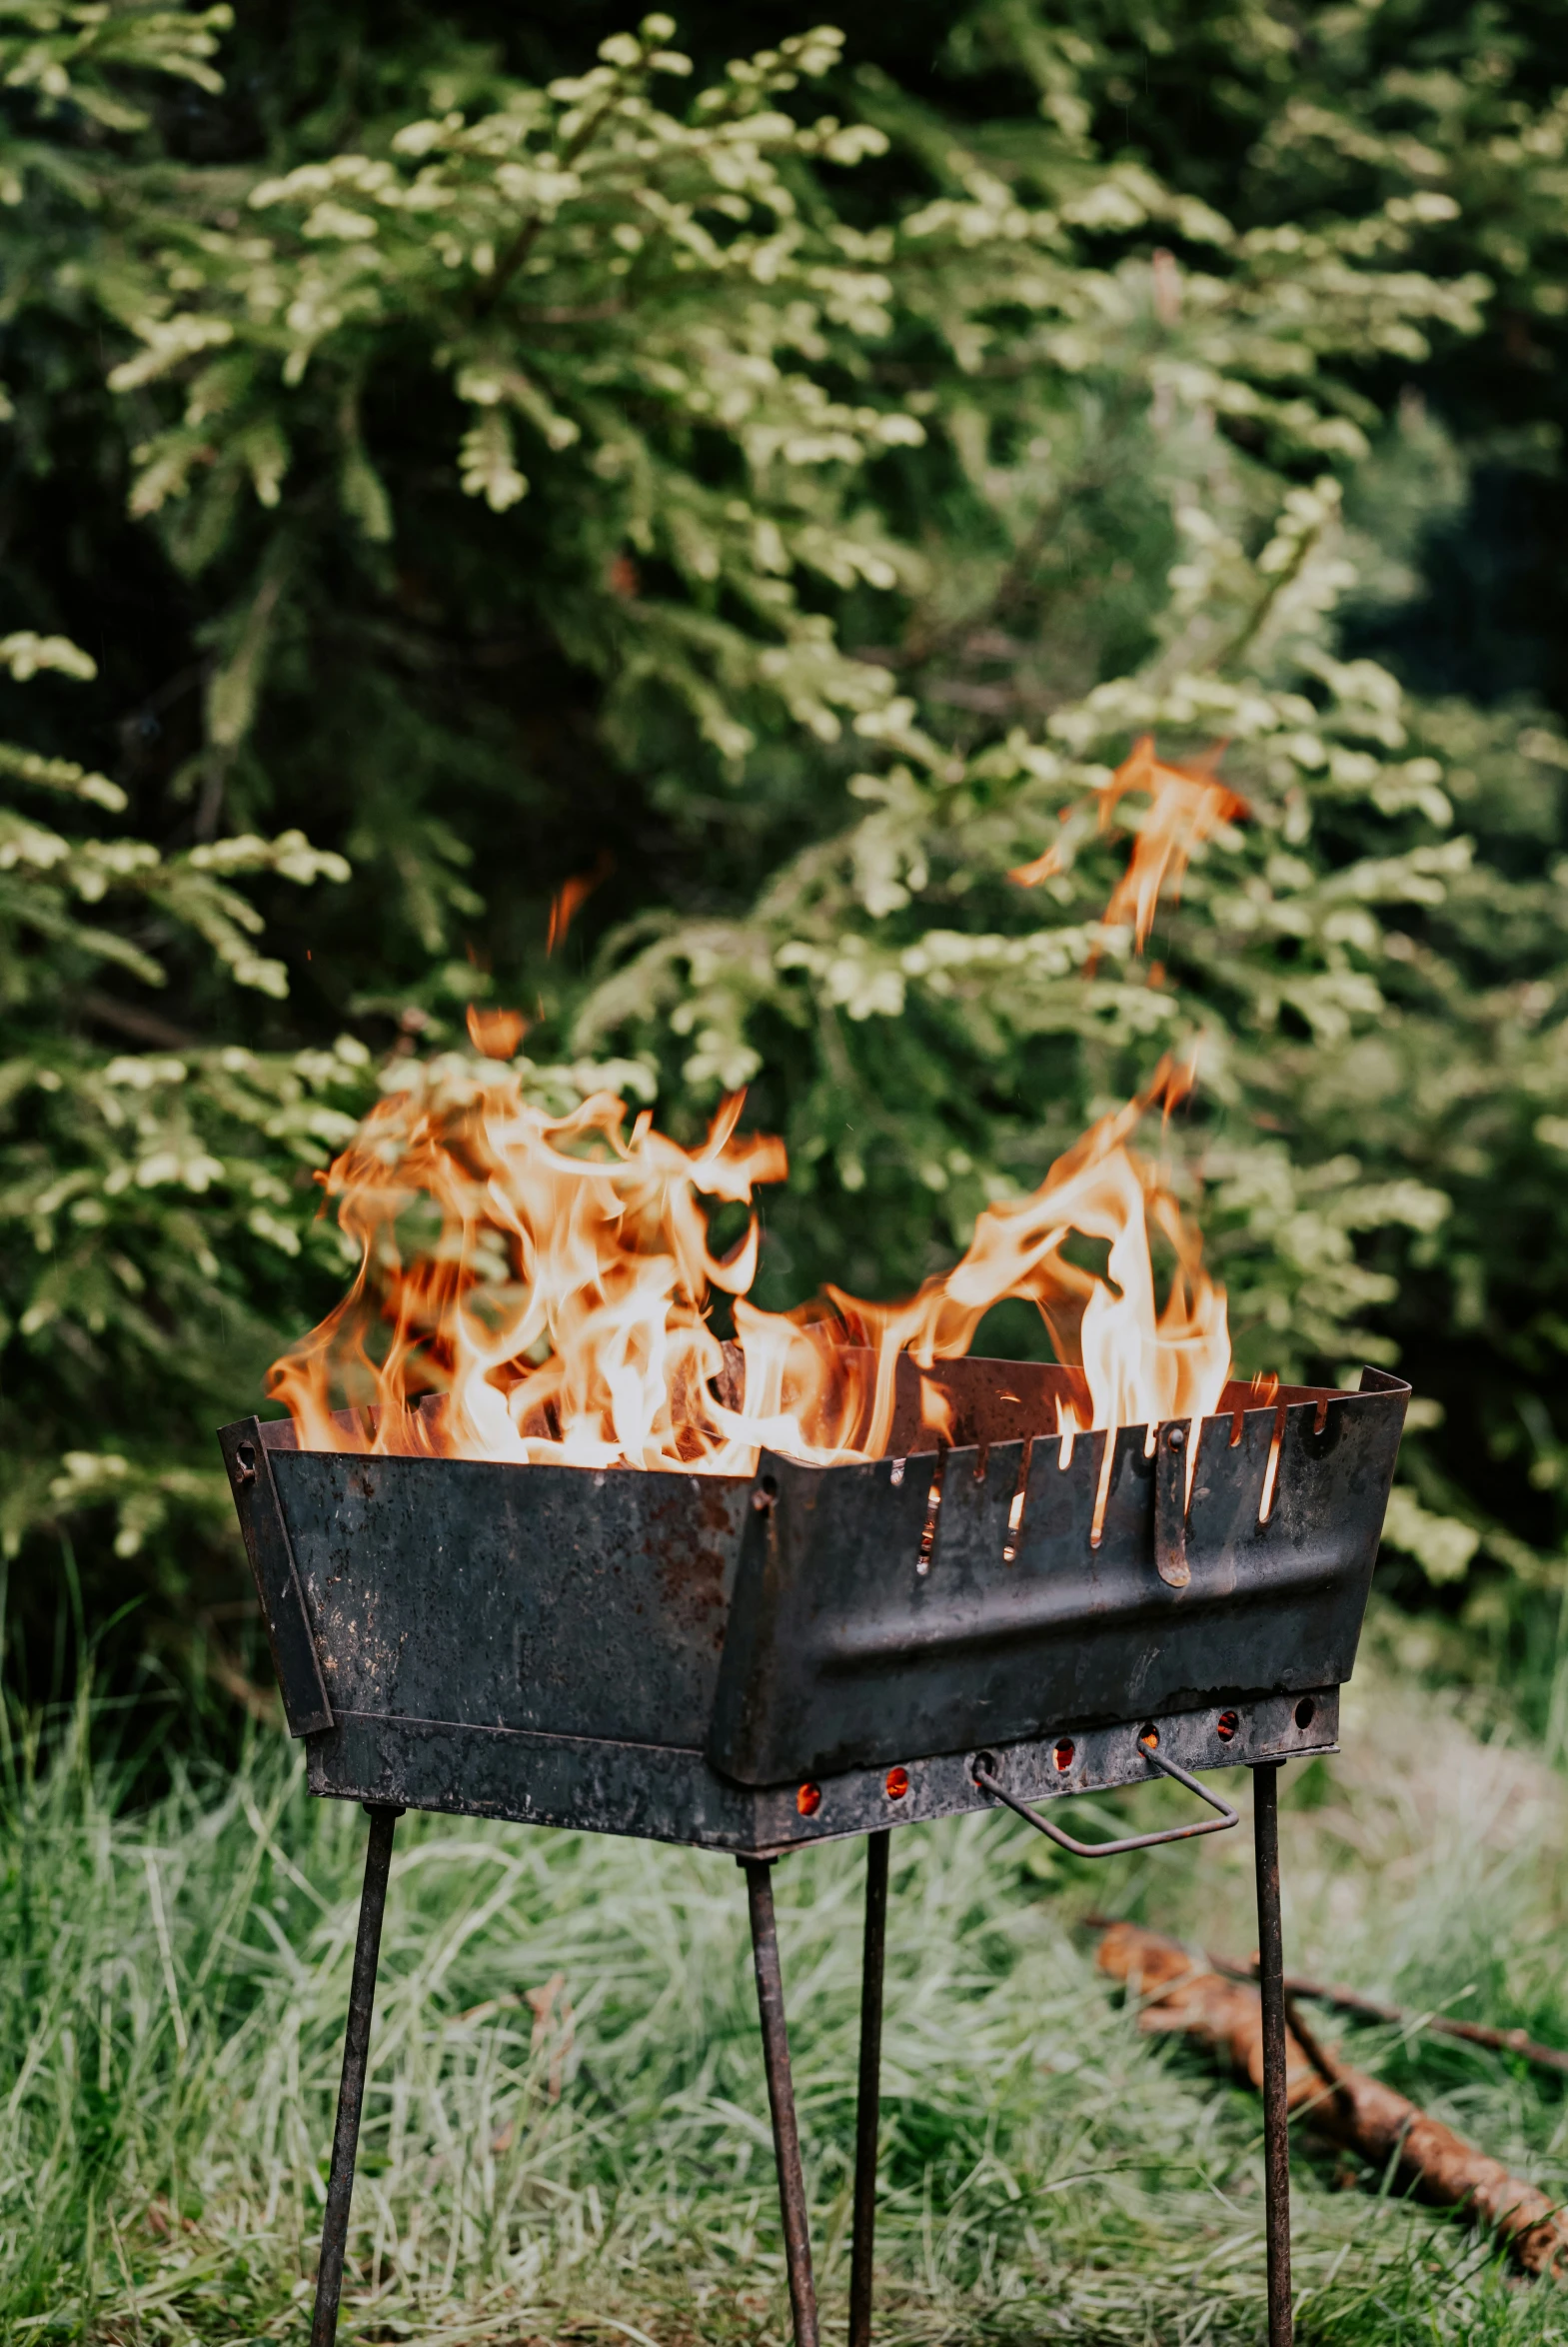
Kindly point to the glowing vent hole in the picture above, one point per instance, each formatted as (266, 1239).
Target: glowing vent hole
(922, 1563)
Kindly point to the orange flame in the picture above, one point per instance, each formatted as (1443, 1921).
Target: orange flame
(496, 1032)
(1188, 806)
(539, 1288)
(570, 898)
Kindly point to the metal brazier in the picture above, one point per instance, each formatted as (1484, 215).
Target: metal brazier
(749, 1663)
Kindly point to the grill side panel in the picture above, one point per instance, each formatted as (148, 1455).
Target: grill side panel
(247, 1459)
(667, 1795)
(566, 1600)
(842, 1652)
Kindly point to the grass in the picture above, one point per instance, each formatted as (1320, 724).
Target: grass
(566, 2131)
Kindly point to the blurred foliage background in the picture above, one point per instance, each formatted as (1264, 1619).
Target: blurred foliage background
(760, 482)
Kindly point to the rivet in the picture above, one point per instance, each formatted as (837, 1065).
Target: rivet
(1176, 1438)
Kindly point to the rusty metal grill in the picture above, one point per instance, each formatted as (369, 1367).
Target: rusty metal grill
(751, 1664)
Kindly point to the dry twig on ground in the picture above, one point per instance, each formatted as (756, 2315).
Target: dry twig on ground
(1383, 2127)
(1372, 2008)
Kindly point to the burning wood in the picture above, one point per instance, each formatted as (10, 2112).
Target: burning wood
(539, 1288)
(1346, 2105)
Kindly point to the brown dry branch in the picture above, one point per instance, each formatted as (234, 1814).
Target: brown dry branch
(1178, 1993)
(1371, 2008)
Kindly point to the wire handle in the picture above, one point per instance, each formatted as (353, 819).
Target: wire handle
(1133, 1841)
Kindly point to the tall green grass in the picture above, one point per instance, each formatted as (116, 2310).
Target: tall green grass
(567, 2133)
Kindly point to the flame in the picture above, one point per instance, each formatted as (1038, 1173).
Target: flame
(496, 1033)
(1261, 1394)
(539, 1288)
(570, 898)
(1188, 806)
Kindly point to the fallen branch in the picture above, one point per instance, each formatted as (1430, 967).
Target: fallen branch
(1371, 2008)
(1383, 2127)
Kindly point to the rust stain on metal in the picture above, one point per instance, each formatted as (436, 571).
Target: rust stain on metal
(690, 1551)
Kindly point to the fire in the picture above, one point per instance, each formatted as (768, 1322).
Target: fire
(1188, 806)
(496, 1033)
(570, 898)
(541, 1288)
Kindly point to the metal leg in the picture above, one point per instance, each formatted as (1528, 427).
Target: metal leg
(868, 2105)
(781, 2097)
(351, 2093)
(1276, 2109)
